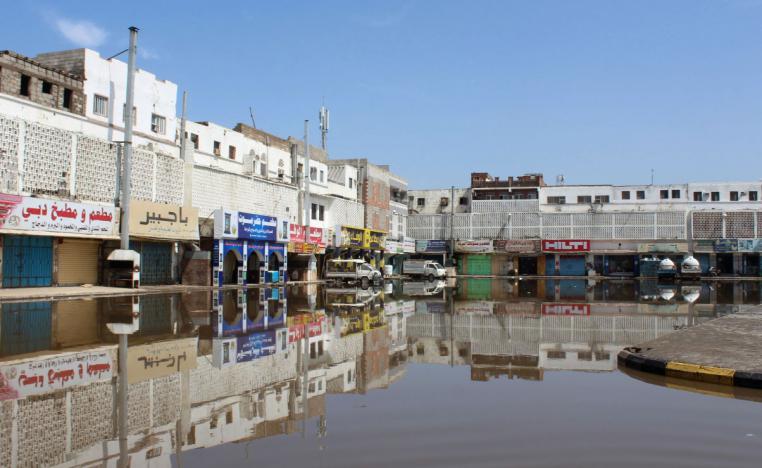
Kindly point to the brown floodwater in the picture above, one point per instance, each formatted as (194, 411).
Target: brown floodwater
(485, 373)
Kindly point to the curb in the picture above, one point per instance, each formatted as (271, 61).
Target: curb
(633, 358)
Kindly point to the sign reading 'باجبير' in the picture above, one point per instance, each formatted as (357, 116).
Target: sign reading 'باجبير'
(163, 221)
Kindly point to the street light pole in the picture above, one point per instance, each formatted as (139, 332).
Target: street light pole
(128, 116)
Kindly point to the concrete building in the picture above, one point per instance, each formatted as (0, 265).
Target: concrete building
(524, 187)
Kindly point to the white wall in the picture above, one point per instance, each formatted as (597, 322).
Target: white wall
(432, 198)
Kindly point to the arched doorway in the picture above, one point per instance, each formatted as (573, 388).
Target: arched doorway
(253, 273)
(230, 266)
(274, 263)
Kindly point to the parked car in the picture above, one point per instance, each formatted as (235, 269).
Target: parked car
(424, 268)
(354, 270)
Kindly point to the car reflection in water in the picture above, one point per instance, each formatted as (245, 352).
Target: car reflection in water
(256, 363)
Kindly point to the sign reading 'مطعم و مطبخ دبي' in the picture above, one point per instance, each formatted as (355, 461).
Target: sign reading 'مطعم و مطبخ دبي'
(19, 213)
(163, 221)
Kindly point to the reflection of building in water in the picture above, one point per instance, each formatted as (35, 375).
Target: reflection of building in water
(497, 343)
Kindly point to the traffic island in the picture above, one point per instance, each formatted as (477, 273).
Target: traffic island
(726, 351)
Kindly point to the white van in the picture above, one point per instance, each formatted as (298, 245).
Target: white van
(425, 268)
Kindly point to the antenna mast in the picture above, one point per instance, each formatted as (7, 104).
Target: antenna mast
(324, 124)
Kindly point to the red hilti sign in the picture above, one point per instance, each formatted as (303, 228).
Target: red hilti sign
(566, 309)
(566, 245)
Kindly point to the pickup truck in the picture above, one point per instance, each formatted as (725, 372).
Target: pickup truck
(424, 268)
(355, 270)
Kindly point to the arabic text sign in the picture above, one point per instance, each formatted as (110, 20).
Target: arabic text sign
(162, 221)
(255, 345)
(566, 246)
(39, 376)
(154, 360)
(566, 309)
(45, 215)
(517, 246)
(257, 227)
(473, 246)
(431, 246)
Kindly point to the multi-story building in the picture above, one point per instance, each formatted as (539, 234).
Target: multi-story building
(524, 187)
(606, 229)
(58, 162)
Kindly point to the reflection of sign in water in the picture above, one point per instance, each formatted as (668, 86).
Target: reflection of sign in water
(44, 215)
(255, 345)
(39, 376)
(163, 221)
(160, 359)
(566, 309)
(257, 227)
(566, 245)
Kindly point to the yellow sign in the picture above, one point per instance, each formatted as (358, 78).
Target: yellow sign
(352, 236)
(374, 240)
(154, 360)
(162, 221)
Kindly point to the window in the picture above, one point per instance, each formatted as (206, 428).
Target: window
(263, 169)
(231, 152)
(47, 87)
(100, 105)
(463, 201)
(216, 149)
(556, 200)
(313, 355)
(625, 195)
(281, 173)
(664, 194)
(676, 194)
(349, 376)
(601, 199)
(24, 88)
(213, 423)
(753, 196)
(229, 417)
(715, 196)
(67, 98)
(322, 176)
(321, 214)
(194, 140)
(320, 348)
(351, 182)
(584, 199)
(556, 355)
(158, 124)
(314, 211)
(134, 114)
(734, 196)
(313, 174)
(698, 196)
(640, 194)
(421, 202)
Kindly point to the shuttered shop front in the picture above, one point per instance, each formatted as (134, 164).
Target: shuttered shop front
(77, 261)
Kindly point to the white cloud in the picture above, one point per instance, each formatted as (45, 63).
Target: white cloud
(81, 32)
(147, 54)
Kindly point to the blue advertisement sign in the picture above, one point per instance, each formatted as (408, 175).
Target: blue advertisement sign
(257, 227)
(255, 345)
(431, 246)
(726, 245)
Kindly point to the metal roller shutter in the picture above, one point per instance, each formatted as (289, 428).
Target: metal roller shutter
(77, 261)
(27, 261)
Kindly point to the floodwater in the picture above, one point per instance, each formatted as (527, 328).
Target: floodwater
(485, 373)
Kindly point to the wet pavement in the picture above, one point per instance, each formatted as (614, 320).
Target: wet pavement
(489, 373)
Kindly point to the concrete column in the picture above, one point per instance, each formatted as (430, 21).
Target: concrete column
(245, 266)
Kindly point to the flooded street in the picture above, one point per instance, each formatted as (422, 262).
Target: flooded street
(485, 373)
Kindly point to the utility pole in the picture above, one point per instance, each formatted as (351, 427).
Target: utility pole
(128, 116)
(308, 176)
(324, 124)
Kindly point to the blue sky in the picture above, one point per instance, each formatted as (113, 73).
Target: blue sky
(598, 90)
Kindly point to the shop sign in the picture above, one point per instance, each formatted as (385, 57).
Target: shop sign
(408, 245)
(302, 248)
(257, 227)
(566, 246)
(663, 247)
(155, 360)
(473, 246)
(431, 246)
(750, 245)
(45, 215)
(39, 376)
(298, 233)
(726, 245)
(474, 307)
(296, 333)
(393, 247)
(255, 345)
(374, 240)
(163, 221)
(565, 309)
(349, 236)
(517, 246)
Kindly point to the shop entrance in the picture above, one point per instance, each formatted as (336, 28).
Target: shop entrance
(527, 265)
(230, 267)
(725, 263)
(253, 270)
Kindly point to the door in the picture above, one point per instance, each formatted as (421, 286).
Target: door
(572, 265)
(27, 261)
(77, 262)
(155, 262)
(479, 265)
